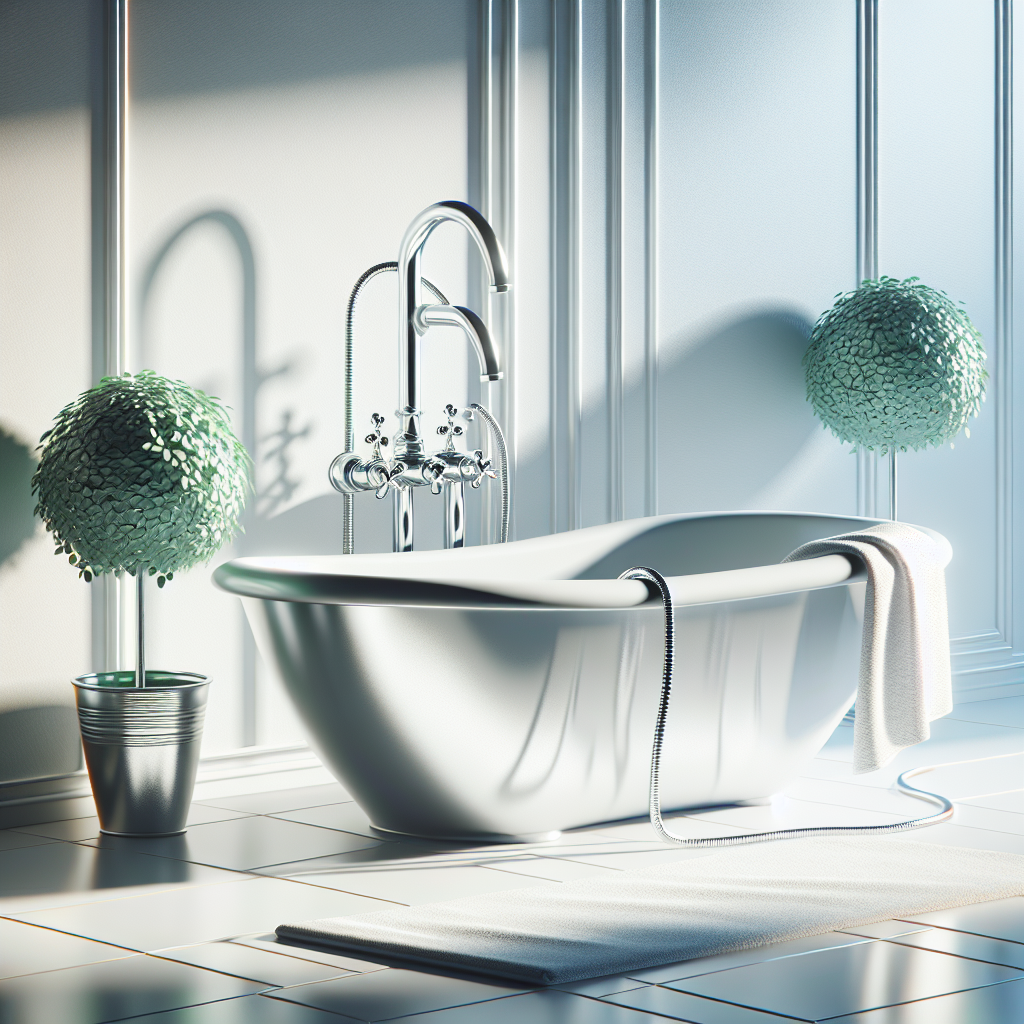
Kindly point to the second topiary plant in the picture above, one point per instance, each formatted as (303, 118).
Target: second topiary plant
(895, 365)
(141, 475)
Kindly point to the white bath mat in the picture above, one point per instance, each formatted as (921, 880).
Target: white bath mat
(729, 900)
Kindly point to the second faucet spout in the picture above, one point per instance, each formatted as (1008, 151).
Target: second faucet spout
(473, 327)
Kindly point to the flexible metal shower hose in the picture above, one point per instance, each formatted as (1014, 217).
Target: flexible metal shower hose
(946, 808)
(499, 445)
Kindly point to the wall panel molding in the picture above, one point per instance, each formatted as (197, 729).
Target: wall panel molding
(564, 257)
(652, 111)
(615, 112)
(603, 260)
(1004, 316)
(499, 83)
(869, 501)
(989, 658)
(636, 256)
(111, 610)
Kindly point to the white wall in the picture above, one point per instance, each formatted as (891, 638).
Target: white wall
(45, 360)
(321, 130)
(677, 187)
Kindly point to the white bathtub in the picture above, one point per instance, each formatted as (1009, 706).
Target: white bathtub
(510, 690)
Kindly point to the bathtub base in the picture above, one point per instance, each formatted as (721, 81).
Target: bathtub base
(480, 837)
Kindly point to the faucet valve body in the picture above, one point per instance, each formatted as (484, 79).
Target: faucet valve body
(350, 474)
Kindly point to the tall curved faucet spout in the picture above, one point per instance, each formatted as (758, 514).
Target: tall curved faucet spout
(475, 224)
(410, 301)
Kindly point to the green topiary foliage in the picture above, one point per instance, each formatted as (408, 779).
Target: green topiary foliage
(141, 474)
(895, 365)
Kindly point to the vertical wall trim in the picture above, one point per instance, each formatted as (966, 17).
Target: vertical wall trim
(485, 144)
(488, 140)
(565, 397)
(114, 606)
(616, 92)
(1004, 314)
(506, 216)
(555, 215)
(511, 299)
(867, 203)
(116, 191)
(652, 49)
(575, 225)
(499, 80)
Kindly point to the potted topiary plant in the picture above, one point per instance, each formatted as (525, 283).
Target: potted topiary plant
(141, 475)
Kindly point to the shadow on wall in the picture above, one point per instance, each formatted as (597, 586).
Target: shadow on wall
(195, 46)
(38, 742)
(45, 50)
(17, 518)
(733, 412)
(41, 740)
(734, 420)
(314, 526)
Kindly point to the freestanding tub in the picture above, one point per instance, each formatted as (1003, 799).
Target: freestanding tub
(511, 690)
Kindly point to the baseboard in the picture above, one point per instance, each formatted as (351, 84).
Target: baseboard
(969, 695)
(32, 801)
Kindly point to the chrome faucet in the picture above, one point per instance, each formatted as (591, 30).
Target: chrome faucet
(411, 465)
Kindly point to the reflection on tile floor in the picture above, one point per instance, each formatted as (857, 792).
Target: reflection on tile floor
(975, 947)
(113, 990)
(995, 1004)
(18, 840)
(242, 844)
(246, 1010)
(178, 917)
(418, 884)
(395, 993)
(999, 919)
(348, 817)
(59, 874)
(76, 830)
(726, 961)
(845, 979)
(26, 949)
(180, 931)
(254, 964)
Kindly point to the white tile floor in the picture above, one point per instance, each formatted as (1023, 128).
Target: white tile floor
(180, 931)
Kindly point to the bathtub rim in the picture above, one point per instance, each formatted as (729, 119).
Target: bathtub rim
(725, 586)
(491, 576)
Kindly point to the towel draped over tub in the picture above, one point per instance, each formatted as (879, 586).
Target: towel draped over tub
(905, 681)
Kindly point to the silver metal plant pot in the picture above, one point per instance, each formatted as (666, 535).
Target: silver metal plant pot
(142, 747)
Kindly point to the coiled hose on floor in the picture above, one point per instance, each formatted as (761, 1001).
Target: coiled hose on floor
(348, 509)
(655, 578)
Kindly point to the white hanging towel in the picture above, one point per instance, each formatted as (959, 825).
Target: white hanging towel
(905, 680)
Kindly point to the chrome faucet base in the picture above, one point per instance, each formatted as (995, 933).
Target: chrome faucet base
(403, 519)
(455, 515)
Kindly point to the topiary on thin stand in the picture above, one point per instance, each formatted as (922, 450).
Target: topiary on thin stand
(895, 365)
(141, 475)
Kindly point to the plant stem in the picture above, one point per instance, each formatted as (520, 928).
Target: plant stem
(892, 484)
(140, 626)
